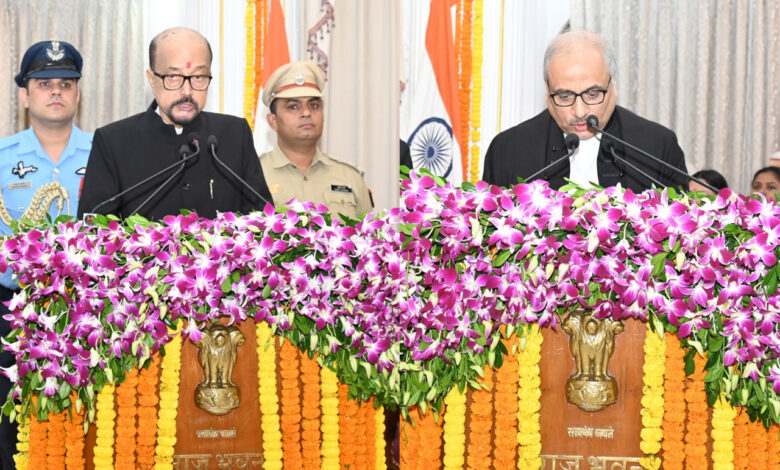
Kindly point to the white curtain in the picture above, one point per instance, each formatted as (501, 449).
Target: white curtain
(513, 88)
(709, 70)
(108, 36)
(362, 95)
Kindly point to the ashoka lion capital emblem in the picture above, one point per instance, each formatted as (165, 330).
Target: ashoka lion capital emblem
(592, 342)
(217, 353)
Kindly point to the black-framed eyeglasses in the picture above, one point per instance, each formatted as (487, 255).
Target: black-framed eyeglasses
(591, 96)
(174, 82)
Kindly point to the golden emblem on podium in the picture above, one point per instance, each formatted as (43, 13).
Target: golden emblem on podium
(217, 353)
(591, 343)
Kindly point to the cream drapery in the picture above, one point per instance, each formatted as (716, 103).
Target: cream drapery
(107, 34)
(362, 96)
(709, 70)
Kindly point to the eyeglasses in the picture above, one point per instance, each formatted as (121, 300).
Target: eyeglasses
(174, 82)
(590, 97)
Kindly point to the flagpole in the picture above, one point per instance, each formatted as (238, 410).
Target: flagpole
(221, 56)
(500, 67)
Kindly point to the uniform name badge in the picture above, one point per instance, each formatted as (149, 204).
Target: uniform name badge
(20, 185)
(340, 188)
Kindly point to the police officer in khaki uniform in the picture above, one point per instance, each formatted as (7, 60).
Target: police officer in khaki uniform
(296, 168)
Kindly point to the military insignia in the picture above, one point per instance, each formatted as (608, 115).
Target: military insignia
(55, 53)
(340, 188)
(21, 170)
(299, 80)
(275, 188)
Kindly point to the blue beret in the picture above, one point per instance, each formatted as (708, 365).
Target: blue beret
(49, 59)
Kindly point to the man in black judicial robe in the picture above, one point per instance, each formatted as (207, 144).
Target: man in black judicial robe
(127, 151)
(579, 72)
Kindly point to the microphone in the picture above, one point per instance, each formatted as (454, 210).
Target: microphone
(593, 123)
(211, 142)
(572, 141)
(193, 140)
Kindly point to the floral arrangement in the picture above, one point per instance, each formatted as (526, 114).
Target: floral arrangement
(408, 304)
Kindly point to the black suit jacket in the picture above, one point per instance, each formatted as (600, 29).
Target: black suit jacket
(526, 148)
(127, 151)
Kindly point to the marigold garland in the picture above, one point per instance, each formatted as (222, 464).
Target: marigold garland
(22, 456)
(454, 433)
(39, 432)
(758, 454)
(529, 393)
(505, 428)
(267, 396)
(364, 438)
(741, 440)
(74, 439)
(249, 68)
(475, 117)
(329, 385)
(773, 447)
(698, 417)
(463, 59)
(673, 424)
(146, 439)
(723, 415)
(481, 423)
(104, 424)
(348, 431)
(127, 411)
(429, 453)
(290, 420)
(410, 443)
(652, 399)
(310, 413)
(55, 444)
(169, 402)
(379, 439)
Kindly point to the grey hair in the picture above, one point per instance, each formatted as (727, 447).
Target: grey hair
(564, 43)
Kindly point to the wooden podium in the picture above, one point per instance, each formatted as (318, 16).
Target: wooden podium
(570, 438)
(236, 440)
(574, 436)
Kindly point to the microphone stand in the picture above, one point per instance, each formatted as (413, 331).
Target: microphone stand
(593, 122)
(572, 142)
(143, 182)
(183, 163)
(632, 166)
(213, 147)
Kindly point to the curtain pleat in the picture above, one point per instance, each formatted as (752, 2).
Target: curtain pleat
(109, 36)
(708, 70)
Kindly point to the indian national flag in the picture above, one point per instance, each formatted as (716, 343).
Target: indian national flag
(430, 122)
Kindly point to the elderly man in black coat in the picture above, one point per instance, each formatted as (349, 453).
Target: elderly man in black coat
(127, 152)
(579, 70)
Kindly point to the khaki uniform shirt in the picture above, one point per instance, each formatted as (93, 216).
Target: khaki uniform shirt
(336, 184)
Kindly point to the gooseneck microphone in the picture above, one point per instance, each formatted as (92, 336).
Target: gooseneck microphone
(211, 142)
(593, 123)
(194, 142)
(192, 139)
(572, 142)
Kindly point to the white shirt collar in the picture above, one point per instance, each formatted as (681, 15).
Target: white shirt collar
(583, 167)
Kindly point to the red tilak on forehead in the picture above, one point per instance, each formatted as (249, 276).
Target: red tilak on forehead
(189, 64)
